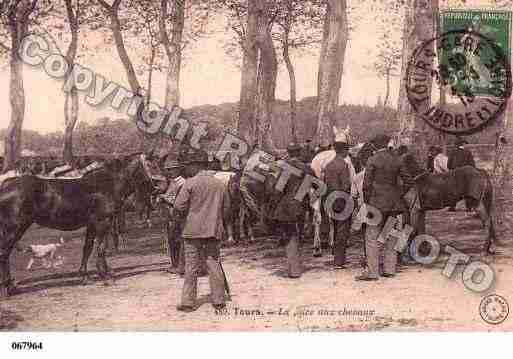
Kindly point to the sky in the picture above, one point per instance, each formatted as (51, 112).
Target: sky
(208, 77)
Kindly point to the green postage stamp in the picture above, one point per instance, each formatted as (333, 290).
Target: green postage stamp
(495, 26)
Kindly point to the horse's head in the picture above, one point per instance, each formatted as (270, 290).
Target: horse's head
(132, 173)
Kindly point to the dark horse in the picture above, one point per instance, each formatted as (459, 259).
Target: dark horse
(436, 191)
(92, 201)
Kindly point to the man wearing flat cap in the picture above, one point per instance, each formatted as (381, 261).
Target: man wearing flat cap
(381, 190)
(200, 202)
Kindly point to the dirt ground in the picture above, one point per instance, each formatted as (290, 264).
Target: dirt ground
(144, 296)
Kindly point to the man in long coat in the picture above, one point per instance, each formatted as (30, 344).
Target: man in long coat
(287, 213)
(381, 190)
(200, 203)
(460, 157)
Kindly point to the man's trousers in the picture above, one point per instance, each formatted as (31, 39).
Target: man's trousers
(197, 251)
(373, 249)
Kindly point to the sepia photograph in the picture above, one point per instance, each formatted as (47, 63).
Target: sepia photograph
(254, 166)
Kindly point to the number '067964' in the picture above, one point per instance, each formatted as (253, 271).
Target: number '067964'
(26, 346)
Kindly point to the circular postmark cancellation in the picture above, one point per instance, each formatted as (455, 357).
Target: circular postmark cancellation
(471, 69)
(494, 309)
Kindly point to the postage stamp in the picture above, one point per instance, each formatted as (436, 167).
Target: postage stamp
(493, 25)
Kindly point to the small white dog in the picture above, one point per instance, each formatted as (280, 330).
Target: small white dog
(46, 253)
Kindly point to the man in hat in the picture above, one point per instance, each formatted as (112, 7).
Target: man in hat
(324, 145)
(173, 171)
(460, 157)
(382, 191)
(286, 213)
(308, 152)
(200, 202)
(337, 177)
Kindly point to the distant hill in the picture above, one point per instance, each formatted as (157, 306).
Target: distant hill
(121, 136)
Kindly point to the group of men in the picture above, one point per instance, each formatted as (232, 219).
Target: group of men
(196, 199)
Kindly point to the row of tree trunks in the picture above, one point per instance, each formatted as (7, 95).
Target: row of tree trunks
(331, 66)
(419, 26)
(18, 23)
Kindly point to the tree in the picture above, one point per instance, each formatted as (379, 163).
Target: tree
(419, 26)
(71, 99)
(331, 66)
(16, 16)
(299, 24)
(112, 12)
(173, 48)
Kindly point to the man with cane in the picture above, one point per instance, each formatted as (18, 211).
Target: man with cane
(200, 204)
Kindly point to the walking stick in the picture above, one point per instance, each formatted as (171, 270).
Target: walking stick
(226, 285)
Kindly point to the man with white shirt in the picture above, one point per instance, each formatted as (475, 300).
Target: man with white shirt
(440, 161)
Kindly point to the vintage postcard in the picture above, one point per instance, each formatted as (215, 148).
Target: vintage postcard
(255, 166)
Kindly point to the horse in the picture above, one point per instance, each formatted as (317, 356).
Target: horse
(437, 191)
(93, 201)
(259, 197)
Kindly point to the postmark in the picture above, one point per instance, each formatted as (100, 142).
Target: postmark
(474, 72)
(494, 309)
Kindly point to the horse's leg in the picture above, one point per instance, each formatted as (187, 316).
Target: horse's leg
(7, 243)
(86, 252)
(317, 222)
(102, 229)
(122, 218)
(487, 219)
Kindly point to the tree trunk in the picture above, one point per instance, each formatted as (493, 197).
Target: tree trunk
(71, 107)
(249, 73)
(150, 73)
(387, 91)
(266, 80)
(293, 100)
(115, 26)
(18, 19)
(173, 48)
(419, 26)
(70, 118)
(331, 66)
(502, 176)
(290, 70)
